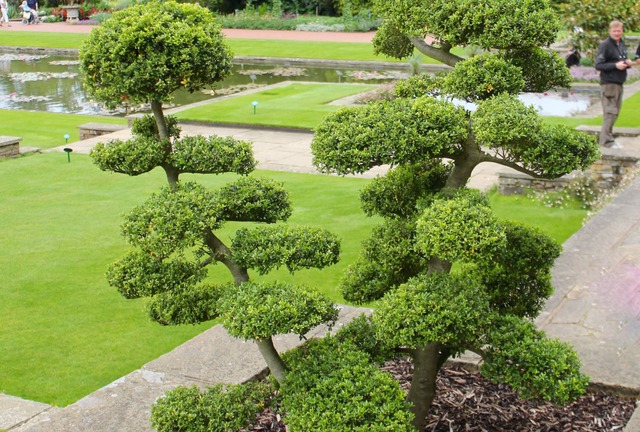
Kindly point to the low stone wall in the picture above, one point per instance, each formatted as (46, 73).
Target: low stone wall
(9, 146)
(91, 130)
(607, 173)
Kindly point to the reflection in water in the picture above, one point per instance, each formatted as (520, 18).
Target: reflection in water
(53, 84)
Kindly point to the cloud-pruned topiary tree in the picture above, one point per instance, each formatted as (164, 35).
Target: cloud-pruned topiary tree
(448, 276)
(143, 54)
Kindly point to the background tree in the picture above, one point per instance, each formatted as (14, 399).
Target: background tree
(588, 20)
(144, 54)
(448, 275)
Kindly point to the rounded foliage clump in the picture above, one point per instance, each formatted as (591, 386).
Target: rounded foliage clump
(172, 220)
(388, 258)
(146, 52)
(185, 304)
(217, 409)
(483, 76)
(135, 156)
(353, 140)
(533, 364)
(518, 275)
(147, 127)
(268, 247)
(333, 387)
(458, 229)
(395, 195)
(140, 274)
(506, 122)
(439, 307)
(419, 85)
(251, 199)
(212, 155)
(262, 310)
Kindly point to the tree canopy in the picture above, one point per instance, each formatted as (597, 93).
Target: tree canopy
(447, 275)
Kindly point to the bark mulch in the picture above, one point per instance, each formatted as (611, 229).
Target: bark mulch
(467, 402)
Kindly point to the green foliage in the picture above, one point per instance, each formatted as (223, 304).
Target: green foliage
(536, 366)
(135, 156)
(141, 274)
(507, 123)
(269, 247)
(363, 21)
(190, 304)
(518, 276)
(252, 199)
(395, 194)
(448, 308)
(458, 229)
(483, 76)
(559, 150)
(388, 259)
(262, 310)
(212, 155)
(173, 220)
(353, 140)
(146, 52)
(217, 409)
(500, 24)
(541, 69)
(389, 40)
(361, 333)
(147, 127)
(592, 17)
(333, 387)
(419, 85)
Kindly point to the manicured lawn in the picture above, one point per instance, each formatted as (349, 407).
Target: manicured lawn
(557, 223)
(240, 47)
(294, 106)
(47, 130)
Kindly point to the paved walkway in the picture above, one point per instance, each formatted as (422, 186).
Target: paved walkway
(596, 306)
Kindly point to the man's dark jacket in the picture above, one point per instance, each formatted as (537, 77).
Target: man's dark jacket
(609, 53)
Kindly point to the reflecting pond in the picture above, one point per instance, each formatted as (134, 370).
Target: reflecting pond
(52, 83)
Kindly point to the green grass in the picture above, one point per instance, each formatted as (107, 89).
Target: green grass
(357, 51)
(47, 130)
(558, 223)
(293, 106)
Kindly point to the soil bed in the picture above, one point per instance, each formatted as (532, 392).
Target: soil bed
(467, 402)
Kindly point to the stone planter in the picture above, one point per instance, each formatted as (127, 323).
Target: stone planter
(73, 12)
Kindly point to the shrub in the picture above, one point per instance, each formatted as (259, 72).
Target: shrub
(333, 387)
(217, 409)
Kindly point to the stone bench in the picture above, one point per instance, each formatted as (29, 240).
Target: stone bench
(9, 146)
(92, 130)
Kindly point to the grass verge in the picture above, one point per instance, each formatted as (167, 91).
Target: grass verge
(47, 130)
(296, 105)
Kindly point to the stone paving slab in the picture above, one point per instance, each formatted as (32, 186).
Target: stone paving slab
(596, 306)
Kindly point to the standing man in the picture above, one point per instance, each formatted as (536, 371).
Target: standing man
(612, 62)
